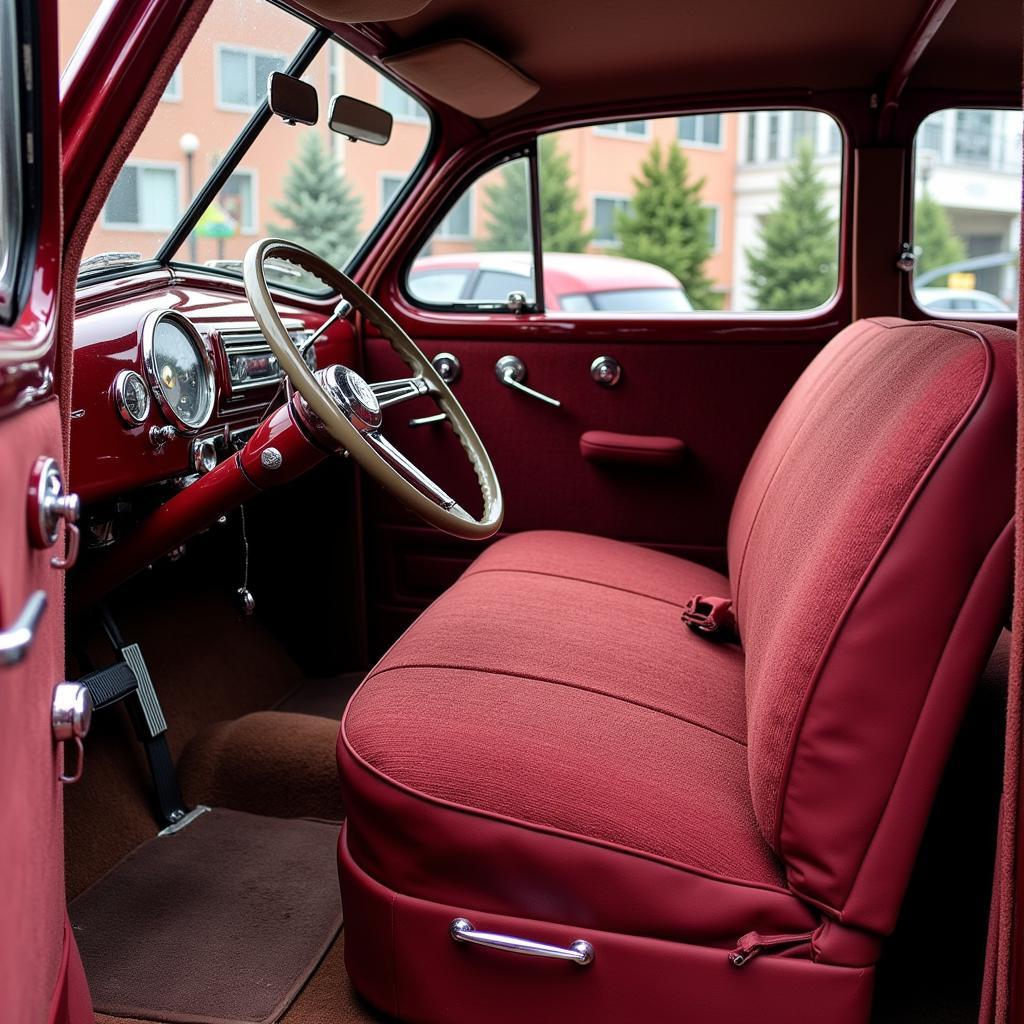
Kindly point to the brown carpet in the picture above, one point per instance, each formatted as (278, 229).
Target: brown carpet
(221, 923)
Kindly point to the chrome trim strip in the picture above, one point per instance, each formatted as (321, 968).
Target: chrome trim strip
(184, 821)
(579, 952)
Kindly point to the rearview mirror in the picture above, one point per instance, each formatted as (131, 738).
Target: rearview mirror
(292, 99)
(361, 122)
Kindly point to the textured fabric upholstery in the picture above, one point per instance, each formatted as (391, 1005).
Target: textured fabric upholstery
(548, 730)
(518, 669)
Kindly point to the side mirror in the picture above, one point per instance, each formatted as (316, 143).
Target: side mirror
(292, 99)
(361, 122)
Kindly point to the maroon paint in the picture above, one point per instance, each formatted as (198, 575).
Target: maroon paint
(232, 482)
(111, 458)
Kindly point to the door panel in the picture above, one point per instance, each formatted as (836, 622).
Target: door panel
(31, 801)
(716, 396)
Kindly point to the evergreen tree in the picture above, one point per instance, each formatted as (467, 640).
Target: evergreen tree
(667, 223)
(322, 213)
(507, 205)
(795, 265)
(935, 242)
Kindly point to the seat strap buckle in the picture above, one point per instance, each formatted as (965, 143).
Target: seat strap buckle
(710, 616)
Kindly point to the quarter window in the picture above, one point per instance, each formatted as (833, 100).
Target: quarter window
(242, 76)
(966, 231)
(144, 197)
(458, 224)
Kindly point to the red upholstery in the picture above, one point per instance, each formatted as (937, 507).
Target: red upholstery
(549, 742)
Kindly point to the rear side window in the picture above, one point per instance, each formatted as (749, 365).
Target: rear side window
(725, 211)
(966, 230)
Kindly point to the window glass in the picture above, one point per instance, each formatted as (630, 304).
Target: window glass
(482, 250)
(967, 211)
(724, 211)
(10, 160)
(304, 183)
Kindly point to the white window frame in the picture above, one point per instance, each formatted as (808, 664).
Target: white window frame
(254, 190)
(716, 241)
(401, 118)
(249, 51)
(701, 144)
(615, 197)
(447, 236)
(176, 80)
(614, 130)
(162, 165)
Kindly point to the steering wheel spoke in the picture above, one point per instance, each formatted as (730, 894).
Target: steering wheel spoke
(411, 472)
(338, 401)
(391, 392)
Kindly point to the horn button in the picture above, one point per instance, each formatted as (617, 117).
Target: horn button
(352, 395)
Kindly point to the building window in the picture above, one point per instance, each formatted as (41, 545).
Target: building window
(400, 104)
(803, 129)
(624, 129)
(932, 132)
(774, 133)
(606, 210)
(144, 197)
(751, 154)
(238, 200)
(389, 186)
(714, 220)
(242, 76)
(974, 136)
(458, 224)
(172, 91)
(700, 129)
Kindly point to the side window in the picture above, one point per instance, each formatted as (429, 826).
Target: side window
(966, 232)
(482, 250)
(730, 211)
(735, 211)
(11, 199)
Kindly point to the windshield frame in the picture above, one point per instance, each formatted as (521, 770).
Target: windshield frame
(307, 52)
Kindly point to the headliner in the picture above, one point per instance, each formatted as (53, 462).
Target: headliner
(587, 52)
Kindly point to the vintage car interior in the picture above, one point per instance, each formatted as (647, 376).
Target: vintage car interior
(379, 641)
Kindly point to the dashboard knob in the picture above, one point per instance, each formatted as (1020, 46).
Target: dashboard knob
(204, 454)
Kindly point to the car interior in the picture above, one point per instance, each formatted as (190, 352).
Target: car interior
(535, 508)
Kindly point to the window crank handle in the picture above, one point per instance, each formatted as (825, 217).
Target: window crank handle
(511, 371)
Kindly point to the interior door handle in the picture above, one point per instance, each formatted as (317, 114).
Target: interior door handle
(511, 371)
(16, 641)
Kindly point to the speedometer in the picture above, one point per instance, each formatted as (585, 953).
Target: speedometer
(179, 369)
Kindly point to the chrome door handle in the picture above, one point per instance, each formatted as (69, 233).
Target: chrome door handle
(511, 371)
(48, 504)
(16, 642)
(579, 952)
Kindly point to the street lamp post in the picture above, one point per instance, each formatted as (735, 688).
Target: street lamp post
(189, 143)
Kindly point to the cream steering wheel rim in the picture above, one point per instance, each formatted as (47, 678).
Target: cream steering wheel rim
(356, 431)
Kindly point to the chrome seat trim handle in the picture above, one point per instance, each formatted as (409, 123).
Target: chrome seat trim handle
(16, 641)
(579, 952)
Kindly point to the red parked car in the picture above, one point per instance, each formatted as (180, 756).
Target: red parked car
(374, 646)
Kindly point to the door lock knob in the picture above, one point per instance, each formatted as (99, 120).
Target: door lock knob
(48, 505)
(71, 717)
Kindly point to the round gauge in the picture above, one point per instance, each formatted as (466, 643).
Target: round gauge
(179, 369)
(131, 397)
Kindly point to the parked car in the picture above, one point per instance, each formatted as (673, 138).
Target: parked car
(573, 282)
(960, 300)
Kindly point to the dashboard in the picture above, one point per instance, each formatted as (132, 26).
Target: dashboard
(172, 376)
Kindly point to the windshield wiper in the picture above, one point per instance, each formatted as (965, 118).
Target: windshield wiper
(104, 260)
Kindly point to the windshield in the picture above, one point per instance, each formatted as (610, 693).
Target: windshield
(304, 183)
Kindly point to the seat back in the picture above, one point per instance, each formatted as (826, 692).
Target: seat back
(870, 552)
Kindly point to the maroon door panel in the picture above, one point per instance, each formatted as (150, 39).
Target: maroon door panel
(715, 396)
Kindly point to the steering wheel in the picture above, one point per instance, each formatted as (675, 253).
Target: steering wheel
(351, 409)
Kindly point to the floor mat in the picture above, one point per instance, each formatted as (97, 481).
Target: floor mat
(220, 923)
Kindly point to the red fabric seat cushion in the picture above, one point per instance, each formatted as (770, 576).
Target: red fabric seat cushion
(554, 688)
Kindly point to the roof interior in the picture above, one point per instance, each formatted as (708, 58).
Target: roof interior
(589, 52)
